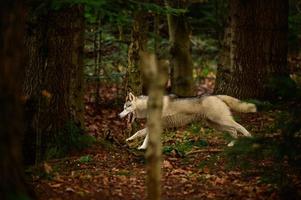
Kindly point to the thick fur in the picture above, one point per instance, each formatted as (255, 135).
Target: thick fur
(237, 105)
(178, 112)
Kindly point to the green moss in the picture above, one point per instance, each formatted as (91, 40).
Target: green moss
(68, 139)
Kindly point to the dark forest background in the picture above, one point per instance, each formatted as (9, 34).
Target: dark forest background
(67, 67)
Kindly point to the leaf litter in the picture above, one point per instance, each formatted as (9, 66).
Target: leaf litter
(111, 169)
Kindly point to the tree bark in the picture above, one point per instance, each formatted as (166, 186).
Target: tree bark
(12, 182)
(77, 75)
(54, 75)
(135, 83)
(257, 48)
(33, 83)
(181, 61)
(156, 74)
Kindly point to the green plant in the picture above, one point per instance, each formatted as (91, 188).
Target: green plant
(68, 139)
(85, 159)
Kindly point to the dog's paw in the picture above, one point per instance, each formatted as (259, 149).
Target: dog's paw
(231, 144)
(142, 147)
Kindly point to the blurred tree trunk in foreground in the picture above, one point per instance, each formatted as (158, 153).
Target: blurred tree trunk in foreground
(135, 81)
(255, 50)
(12, 182)
(181, 61)
(156, 74)
(54, 75)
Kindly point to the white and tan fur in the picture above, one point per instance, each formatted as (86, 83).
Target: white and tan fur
(179, 112)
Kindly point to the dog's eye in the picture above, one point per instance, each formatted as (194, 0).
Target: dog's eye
(127, 105)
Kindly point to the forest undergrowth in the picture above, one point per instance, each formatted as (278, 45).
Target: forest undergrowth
(197, 164)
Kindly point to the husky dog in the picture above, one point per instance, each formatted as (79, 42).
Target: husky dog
(176, 112)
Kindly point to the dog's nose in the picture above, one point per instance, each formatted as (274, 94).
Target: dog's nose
(121, 115)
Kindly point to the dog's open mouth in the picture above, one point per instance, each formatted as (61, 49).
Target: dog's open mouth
(123, 113)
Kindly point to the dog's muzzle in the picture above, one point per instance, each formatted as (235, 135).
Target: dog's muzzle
(124, 113)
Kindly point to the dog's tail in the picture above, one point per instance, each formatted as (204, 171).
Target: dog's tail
(237, 105)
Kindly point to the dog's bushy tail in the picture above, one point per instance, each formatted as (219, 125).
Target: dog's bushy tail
(237, 105)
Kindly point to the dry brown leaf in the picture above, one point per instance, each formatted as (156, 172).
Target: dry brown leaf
(47, 168)
(55, 185)
(167, 164)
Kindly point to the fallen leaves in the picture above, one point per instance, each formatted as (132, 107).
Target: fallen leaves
(47, 168)
(119, 172)
(167, 164)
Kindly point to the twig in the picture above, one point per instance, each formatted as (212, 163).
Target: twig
(204, 150)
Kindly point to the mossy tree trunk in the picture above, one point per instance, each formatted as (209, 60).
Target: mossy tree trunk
(12, 182)
(181, 61)
(54, 75)
(255, 50)
(139, 38)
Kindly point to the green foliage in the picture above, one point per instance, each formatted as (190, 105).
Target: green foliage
(261, 105)
(294, 25)
(290, 126)
(181, 148)
(85, 159)
(246, 150)
(209, 18)
(105, 144)
(123, 173)
(194, 128)
(155, 8)
(210, 162)
(282, 87)
(18, 196)
(68, 139)
(258, 153)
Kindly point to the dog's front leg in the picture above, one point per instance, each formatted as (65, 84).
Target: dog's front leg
(140, 133)
(145, 142)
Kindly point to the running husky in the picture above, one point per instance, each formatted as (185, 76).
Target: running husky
(178, 112)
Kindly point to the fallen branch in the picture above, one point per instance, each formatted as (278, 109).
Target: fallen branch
(204, 151)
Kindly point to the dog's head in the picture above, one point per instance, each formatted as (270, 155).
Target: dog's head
(129, 106)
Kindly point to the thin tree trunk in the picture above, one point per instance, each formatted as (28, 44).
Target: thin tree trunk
(135, 81)
(157, 76)
(12, 182)
(77, 75)
(98, 60)
(156, 32)
(181, 61)
(258, 48)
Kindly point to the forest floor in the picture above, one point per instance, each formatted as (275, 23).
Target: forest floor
(197, 164)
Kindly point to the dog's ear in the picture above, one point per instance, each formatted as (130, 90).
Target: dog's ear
(131, 97)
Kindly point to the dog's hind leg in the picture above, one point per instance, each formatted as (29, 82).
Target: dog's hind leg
(241, 129)
(231, 130)
(233, 124)
(221, 127)
(140, 133)
(145, 142)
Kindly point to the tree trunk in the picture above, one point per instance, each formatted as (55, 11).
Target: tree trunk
(157, 76)
(257, 48)
(181, 61)
(54, 75)
(97, 59)
(77, 75)
(33, 83)
(12, 182)
(135, 81)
